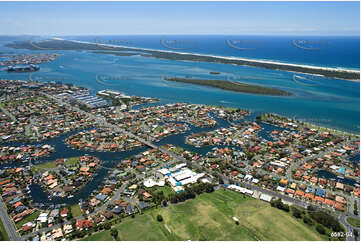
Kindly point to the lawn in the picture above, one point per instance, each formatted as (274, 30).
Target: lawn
(52, 164)
(72, 161)
(354, 222)
(102, 236)
(165, 189)
(29, 218)
(142, 227)
(47, 165)
(3, 234)
(75, 210)
(209, 217)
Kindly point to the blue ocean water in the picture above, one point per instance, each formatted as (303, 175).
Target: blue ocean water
(330, 51)
(328, 102)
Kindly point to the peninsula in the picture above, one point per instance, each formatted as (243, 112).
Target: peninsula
(62, 44)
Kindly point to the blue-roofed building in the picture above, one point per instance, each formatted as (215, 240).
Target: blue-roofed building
(320, 192)
(17, 199)
(143, 205)
(341, 170)
(310, 190)
(20, 209)
(117, 210)
(101, 197)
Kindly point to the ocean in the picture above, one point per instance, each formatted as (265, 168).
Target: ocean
(327, 102)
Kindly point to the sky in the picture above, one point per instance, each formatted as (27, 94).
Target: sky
(118, 18)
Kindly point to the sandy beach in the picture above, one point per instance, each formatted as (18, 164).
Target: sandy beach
(255, 61)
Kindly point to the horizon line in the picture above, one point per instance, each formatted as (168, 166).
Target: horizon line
(313, 35)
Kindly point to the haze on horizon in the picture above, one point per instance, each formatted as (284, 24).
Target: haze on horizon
(117, 18)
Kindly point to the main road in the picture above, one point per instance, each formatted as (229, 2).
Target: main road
(8, 224)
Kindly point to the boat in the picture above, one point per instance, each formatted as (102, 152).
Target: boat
(70, 196)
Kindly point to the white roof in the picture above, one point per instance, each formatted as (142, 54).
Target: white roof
(192, 179)
(163, 171)
(265, 197)
(183, 174)
(150, 183)
(240, 189)
(172, 181)
(282, 189)
(248, 176)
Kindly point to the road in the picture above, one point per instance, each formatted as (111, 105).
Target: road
(12, 117)
(349, 228)
(8, 224)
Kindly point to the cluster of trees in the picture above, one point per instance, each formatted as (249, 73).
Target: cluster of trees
(280, 205)
(190, 192)
(320, 229)
(182, 196)
(327, 220)
(297, 213)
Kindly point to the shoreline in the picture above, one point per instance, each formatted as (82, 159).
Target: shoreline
(338, 73)
(219, 56)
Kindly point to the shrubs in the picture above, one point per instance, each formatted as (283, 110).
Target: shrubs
(307, 220)
(320, 229)
(114, 233)
(326, 220)
(280, 205)
(355, 210)
(159, 218)
(296, 212)
(107, 226)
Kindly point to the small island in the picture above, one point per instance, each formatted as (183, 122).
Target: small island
(232, 86)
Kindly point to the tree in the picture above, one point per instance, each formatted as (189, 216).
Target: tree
(114, 233)
(107, 226)
(296, 212)
(320, 229)
(308, 221)
(355, 233)
(355, 210)
(159, 218)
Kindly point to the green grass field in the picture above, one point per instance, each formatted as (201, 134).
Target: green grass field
(209, 217)
(52, 164)
(354, 222)
(165, 189)
(99, 236)
(3, 234)
(29, 218)
(75, 210)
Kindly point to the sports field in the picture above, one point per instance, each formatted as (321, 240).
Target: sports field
(209, 217)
